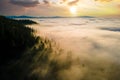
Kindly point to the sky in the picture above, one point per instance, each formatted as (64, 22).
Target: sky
(60, 7)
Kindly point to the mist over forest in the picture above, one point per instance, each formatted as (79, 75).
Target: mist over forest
(48, 49)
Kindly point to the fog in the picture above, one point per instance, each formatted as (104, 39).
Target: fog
(91, 47)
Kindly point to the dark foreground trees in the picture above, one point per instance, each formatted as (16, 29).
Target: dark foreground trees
(15, 38)
(24, 56)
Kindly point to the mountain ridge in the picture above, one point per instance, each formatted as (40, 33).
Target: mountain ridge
(48, 17)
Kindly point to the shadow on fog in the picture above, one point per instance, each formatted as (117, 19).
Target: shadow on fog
(112, 29)
(77, 24)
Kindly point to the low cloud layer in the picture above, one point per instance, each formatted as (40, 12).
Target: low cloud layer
(94, 47)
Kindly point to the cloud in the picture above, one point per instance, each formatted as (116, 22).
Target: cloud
(25, 3)
(104, 0)
(112, 29)
(50, 7)
(3, 3)
(6, 8)
(64, 0)
(70, 2)
(118, 6)
(47, 2)
(74, 2)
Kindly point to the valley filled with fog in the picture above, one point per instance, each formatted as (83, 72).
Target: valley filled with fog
(92, 43)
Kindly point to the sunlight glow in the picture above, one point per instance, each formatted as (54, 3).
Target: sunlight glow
(73, 9)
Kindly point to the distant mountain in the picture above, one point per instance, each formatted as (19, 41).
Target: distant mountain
(48, 17)
(21, 17)
(85, 17)
(33, 17)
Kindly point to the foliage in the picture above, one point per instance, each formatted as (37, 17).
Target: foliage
(15, 38)
(23, 56)
(25, 22)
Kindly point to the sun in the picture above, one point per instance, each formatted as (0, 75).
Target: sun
(73, 9)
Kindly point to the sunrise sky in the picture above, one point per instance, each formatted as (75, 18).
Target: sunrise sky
(60, 7)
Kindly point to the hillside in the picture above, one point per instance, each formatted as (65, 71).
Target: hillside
(15, 38)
